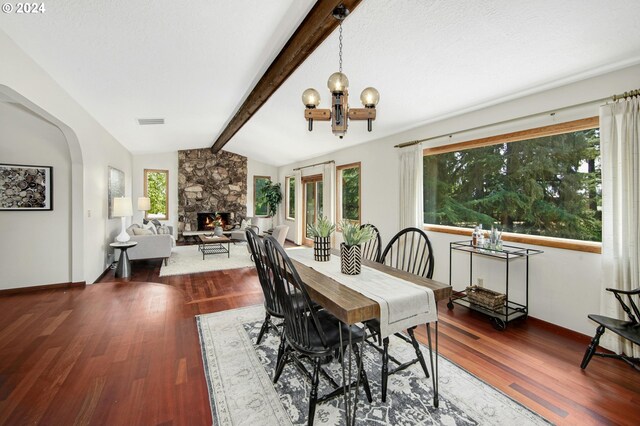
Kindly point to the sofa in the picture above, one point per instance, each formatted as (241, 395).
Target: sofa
(154, 246)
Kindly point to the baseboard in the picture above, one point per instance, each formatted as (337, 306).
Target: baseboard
(19, 290)
(562, 330)
(102, 275)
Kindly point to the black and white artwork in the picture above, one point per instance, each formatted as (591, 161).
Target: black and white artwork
(116, 187)
(26, 187)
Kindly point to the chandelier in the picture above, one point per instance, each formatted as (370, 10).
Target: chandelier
(339, 114)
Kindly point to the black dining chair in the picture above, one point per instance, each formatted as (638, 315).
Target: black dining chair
(371, 249)
(271, 305)
(309, 333)
(410, 251)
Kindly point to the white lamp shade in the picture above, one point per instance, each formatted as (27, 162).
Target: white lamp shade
(122, 207)
(144, 203)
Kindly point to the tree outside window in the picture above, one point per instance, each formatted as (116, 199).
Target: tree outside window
(291, 197)
(156, 187)
(260, 206)
(349, 192)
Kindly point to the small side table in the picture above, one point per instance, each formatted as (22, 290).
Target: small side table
(124, 265)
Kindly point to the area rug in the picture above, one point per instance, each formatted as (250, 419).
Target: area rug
(188, 260)
(241, 392)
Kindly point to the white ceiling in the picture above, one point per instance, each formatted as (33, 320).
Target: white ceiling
(193, 63)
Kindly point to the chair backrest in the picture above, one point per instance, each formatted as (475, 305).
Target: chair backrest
(280, 233)
(634, 308)
(371, 249)
(265, 275)
(410, 250)
(299, 316)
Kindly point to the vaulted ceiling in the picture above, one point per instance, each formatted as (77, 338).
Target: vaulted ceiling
(194, 63)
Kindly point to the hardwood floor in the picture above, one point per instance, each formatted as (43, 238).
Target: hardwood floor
(127, 352)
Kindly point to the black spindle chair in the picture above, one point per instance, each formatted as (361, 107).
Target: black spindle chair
(629, 330)
(409, 250)
(271, 306)
(310, 333)
(371, 249)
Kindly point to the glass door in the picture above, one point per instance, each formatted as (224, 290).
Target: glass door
(312, 195)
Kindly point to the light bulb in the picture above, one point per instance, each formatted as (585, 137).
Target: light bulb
(370, 97)
(311, 98)
(338, 82)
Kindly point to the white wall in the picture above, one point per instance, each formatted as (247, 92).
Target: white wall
(90, 172)
(162, 161)
(564, 284)
(35, 247)
(256, 168)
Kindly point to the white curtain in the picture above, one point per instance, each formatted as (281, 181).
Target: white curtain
(329, 193)
(299, 206)
(411, 204)
(620, 152)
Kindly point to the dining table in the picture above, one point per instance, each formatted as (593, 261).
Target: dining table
(352, 307)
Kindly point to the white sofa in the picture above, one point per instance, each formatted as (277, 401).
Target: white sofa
(157, 246)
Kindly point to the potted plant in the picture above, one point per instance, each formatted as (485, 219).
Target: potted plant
(272, 196)
(321, 233)
(350, 251)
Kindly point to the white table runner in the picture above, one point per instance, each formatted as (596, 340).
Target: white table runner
(402, 303)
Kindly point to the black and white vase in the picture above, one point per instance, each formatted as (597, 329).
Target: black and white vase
(217, 231)
(350, 259)
(321, 249)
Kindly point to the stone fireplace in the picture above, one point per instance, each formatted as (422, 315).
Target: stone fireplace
(210, 183)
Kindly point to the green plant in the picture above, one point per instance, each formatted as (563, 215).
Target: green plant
(322, 228)
(272, 195)
(354, 235)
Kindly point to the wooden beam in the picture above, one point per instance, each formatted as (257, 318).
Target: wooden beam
(313, 30)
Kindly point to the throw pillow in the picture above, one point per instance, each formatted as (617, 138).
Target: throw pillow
(142, 231)
(151, 227)
(244, 224)
(164, 230)
(156, 222)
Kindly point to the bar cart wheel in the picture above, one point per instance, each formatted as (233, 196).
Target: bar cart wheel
(498, 324)
(450, 305)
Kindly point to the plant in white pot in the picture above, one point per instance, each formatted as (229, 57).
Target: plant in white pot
(350, 250)
(321, 233)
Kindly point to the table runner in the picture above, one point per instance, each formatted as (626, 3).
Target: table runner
(402, 303)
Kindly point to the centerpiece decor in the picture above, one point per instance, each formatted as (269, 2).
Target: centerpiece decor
(217, 223)
(350, 250)
(321, 233)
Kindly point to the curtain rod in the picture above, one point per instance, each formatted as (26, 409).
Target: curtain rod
(313, 165)
(552, 112)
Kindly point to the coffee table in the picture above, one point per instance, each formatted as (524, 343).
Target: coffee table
(214, 245)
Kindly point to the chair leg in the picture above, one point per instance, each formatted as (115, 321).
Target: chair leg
(313, 397)
(416, 347)
(363, 374)
(166, 261)
(280, 366)
(591, 349)
(265, 327)
(385, 367)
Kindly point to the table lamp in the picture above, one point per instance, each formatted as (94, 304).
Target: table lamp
(144, 204)
(122, 208)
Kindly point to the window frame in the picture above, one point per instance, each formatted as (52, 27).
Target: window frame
(255, 178)
(146, 190)
(339, 170)
(287, 198)
(538, 132)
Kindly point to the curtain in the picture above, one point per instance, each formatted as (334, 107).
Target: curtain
(620, 152)
(411, 204)
(299, 206)
(329, 193)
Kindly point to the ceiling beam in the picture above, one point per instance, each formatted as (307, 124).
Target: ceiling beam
(313, 30)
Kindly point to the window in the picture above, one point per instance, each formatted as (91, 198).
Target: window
(544, 182)
(156, 187)
(348, 193)
(260, 207)
(291, 197)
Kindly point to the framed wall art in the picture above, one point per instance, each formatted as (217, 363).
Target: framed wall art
(116, 187)
(25, 187)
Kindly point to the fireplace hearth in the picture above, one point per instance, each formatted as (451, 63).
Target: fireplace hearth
(207, 220)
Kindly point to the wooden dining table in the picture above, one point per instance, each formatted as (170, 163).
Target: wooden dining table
(351, 307)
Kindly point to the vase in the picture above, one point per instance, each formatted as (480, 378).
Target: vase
(217, 231)
(350, 259)
(322, 249)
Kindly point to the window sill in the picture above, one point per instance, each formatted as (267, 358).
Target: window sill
(561, 243)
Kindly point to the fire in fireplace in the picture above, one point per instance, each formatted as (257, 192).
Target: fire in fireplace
(207, 221)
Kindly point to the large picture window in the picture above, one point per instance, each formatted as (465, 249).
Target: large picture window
(290, 202)
(348, 192)
(260, 206)
(547, 186)
(156, 187)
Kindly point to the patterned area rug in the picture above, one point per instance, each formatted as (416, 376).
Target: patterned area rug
(241, 392)
(188, 260)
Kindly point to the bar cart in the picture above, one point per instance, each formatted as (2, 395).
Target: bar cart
(510, 310)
